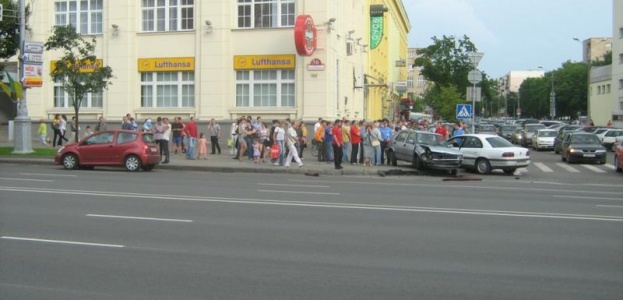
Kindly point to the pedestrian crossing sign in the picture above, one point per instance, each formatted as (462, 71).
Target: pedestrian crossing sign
(463, 111)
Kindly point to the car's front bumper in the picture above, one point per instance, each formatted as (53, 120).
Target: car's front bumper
(591, 156)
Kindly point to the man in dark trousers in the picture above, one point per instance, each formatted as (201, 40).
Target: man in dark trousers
(337, 144)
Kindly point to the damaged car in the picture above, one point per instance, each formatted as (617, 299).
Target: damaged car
(424, 150)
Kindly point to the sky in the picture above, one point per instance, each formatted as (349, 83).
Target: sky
(514, 35)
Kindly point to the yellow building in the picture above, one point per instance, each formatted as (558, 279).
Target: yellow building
(386, 69)
(219, 59)
(600, 95)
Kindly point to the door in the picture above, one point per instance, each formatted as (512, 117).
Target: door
(471, 149)
(97, 149)
(400, 144)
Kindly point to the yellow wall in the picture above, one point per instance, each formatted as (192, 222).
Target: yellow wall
(381, 61)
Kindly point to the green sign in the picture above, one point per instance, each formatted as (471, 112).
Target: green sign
(376, 31)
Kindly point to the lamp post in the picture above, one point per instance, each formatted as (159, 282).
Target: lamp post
(552, 97)
(474, 77)
(23, 131)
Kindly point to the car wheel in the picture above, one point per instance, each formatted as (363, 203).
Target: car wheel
(132, 163)
(483, 166)
(509, 170)
(70, 161)
(148, 167)
(417, 162)
(616, 165)
(391, 158)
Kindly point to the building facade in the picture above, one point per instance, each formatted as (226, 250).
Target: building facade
(617, 63)
(600, 95)
(215, 59)
(415, 80)
(594, 49)
(386, 69)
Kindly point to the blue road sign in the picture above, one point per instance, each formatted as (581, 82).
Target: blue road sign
(463, 111)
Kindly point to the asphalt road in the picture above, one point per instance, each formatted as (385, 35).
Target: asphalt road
(110, 234)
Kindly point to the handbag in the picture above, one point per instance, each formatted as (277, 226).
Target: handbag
(275, 151)
(376, 143)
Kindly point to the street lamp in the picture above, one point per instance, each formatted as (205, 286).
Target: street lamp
(23, 140)
(474, 77)
(552, 98)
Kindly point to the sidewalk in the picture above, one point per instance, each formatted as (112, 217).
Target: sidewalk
(226, 164)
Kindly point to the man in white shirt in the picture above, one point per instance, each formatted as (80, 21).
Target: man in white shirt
(291, 141)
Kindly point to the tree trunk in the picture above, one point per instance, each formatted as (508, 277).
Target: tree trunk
(76, 109)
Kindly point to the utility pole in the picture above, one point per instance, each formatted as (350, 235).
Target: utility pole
(23, 125)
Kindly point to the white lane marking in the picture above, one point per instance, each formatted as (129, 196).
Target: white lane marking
(588, 197)
(26, 179)
(325, 204)
(568, 168)
(297, 192)
(47, 174)
(295, 185)
(138, 218)
(609, 166)
(594, 169)
(522, 170)
(543, 167)
(614, 206)
(475, 187)
(60, 242)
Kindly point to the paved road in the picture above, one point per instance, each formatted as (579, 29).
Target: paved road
(109, 234)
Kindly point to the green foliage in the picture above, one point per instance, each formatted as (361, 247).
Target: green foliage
(444, 100)
(9, 44)
(13, 90)
(570, 85)
(39, 152)
(605, 60)
(69, 69)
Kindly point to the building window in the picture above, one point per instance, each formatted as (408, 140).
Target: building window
(410, 81)
(168, 15)
(621, 33)
(271, 88)
(85, 15)
(420, 81)
(168, 89)
(608, 88)
(266, 13)
(63, 100)
(599, 90)
(620, 84)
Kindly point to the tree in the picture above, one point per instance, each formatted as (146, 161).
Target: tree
(446, 64)
(605, 60)
(78, 69)
(9, 43)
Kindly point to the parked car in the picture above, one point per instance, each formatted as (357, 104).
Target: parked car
(618, 158)
(618, 141)
(516, 137)
(544, 139)
(507, 131)
(133, 150)
(567, 127)
(528, 131)
(608, 136)
(484, 152)
(582, 146)
(424, 150)
(486, 129)
(559, 138)
(549, 123)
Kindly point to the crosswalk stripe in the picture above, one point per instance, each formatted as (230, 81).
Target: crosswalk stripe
(543, 167)
(594, 169)
(609, 166)
(568, 168)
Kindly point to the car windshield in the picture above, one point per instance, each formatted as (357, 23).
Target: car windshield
(547, 133)
(430, 139)
(487, 128)
(508, 128)
(584, 139)
(602, 130)
(498, 142)
(534, 128)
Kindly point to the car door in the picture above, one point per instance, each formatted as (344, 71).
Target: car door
(471, 149)
(399, 144)
(97, 149)
(565, 144)
(409, 146)
(123, 145)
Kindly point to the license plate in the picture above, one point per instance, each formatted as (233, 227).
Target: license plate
(154, 149)
(589, 155)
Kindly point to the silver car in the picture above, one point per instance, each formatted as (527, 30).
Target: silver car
(424, 150)
(528, 131)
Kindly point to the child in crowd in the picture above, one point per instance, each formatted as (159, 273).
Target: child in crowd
(256, 151)
(89, 131)
(43, 133)
(203, 143)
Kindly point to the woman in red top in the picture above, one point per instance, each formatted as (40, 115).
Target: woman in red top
(355, 139)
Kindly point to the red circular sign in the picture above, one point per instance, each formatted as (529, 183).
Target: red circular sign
(305, 35)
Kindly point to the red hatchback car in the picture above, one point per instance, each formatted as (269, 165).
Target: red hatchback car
(133, 150)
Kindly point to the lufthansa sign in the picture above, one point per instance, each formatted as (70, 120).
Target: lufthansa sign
(263, 62)
(166, 64)
(85, 67)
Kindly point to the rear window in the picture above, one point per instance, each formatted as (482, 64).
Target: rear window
(126, 137)
(612, 133)
(498, 142)
(486, 128)
(534, 128)
(548, 133)
(148, 138)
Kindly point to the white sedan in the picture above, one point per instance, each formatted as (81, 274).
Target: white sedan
(544, 139)
(484, 152)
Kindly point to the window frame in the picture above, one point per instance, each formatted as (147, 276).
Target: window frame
(283, 14)
(152, 15)
(94, 16)
(247, 83)
(158, 82)
(87, 101)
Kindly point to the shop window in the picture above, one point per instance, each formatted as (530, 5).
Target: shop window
(85, 15)
(270, 88)
(168, 15)
(63, 100)
(266, 13)
(168, 89)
